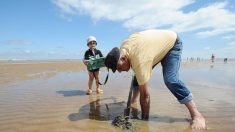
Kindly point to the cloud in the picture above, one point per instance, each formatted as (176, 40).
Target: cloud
(232, 44)
(16, 42)
(28, 51)
(228, 50)
(211, 20)
(56, 53)
(66, 53)
(207, 48)
(67, 18)
(228, 37)
(21, 51)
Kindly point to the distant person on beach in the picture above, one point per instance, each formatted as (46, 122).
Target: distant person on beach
(92, 52)
(225, 60)
(191, 59)
(142, 51)
(212, 58)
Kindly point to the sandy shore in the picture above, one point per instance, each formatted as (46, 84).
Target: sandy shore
(12, 71)
(51, 96)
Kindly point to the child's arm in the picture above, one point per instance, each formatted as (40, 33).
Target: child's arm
(86, 57)
(85, 62)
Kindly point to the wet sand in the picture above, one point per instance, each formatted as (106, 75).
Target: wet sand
(51, 96)
(12, 71)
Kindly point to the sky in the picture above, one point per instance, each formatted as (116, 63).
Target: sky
(58, 29)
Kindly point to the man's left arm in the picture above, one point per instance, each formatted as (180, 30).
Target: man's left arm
(144, 101)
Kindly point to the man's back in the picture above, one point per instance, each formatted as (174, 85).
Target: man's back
(145, 49)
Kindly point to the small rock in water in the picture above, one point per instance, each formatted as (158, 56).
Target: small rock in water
(122, 122)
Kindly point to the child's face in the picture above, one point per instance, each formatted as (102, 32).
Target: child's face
(92, 44)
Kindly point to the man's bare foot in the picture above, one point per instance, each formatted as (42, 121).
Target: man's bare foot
(198, 123)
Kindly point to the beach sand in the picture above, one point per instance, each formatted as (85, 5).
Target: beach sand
(51, 96)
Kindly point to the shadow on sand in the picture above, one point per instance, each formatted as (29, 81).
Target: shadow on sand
(108, 108)
(72, 93)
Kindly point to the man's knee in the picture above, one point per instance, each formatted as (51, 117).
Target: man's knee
(171, 81)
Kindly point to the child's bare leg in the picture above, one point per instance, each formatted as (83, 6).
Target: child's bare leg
(97, 79)
(90, 81)
(98, 89)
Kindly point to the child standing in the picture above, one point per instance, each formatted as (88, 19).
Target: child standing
(92, 52)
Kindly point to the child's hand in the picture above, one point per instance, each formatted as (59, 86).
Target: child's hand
(85, 62)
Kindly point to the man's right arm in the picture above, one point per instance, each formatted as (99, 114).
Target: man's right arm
(144, 101)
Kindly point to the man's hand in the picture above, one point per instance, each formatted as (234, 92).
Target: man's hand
(144, 101)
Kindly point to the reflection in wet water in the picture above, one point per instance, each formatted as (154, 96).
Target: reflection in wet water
(212, 66)
(95, 107)
(43, 104)
(102, 109)
(168, 119)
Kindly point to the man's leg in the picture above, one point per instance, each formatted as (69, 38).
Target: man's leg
(170, 66)
(198, 121)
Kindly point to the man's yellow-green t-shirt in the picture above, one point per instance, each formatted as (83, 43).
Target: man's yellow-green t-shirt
(145, 49)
